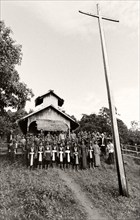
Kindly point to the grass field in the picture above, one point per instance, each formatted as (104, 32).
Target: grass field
(101, 185)
(41, 194)
(35, 195)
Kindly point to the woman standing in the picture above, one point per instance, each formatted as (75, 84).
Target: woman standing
(84, 155)
(97, 153)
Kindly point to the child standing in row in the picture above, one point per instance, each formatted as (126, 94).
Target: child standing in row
(61, 156)
(76, 157)
(91, 155)
(54, 156)
(32, 157)
(67, 156)
(47, 156)
(40, 156)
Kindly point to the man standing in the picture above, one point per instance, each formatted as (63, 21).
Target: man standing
(62, 137)
(110, 149)
(103, 144)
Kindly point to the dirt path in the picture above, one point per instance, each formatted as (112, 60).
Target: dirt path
(81, 197)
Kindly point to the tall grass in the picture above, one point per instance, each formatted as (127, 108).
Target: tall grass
(101, 185)
(35, 195)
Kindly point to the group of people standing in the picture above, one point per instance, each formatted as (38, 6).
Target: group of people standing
(76, 151)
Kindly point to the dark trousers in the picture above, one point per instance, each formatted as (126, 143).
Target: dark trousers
(111, 158)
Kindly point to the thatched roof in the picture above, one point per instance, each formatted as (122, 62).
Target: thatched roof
(51, 125)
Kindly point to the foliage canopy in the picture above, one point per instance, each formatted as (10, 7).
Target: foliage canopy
(13, 92)
(101, 122)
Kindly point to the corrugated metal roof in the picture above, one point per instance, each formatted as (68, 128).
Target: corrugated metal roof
(50, 106)
(60, 101)
(23, 121)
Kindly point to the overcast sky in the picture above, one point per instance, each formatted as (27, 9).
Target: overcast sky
(62, 51)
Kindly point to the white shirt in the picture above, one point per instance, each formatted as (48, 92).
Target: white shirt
(110, 148)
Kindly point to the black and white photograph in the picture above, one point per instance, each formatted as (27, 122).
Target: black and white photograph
(69, 110)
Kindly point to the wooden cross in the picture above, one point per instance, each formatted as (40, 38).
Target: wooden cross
(119, 161)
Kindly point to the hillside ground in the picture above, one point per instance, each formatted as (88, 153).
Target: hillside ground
(101, 186)
(49, 194)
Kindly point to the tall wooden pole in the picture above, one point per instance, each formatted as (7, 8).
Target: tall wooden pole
(119, 161)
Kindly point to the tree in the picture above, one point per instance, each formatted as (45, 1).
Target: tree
(105, 113)
(13, 92)
(94, 123)
(134, 133)
(122, 128)
(134, 125)
(88, 122)
(123, 131)
(102, 123)
(9, 122)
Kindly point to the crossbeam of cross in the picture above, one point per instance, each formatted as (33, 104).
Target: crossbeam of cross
(97, 16)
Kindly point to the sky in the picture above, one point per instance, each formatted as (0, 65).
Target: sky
(62, 51)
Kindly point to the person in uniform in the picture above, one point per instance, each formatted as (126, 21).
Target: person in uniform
(47, 156)
(31, 157)
(54, 155)
(67, 156)
(90, 155)
(40, 155)
(103, 144)
(61, 156)
(76, 157)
